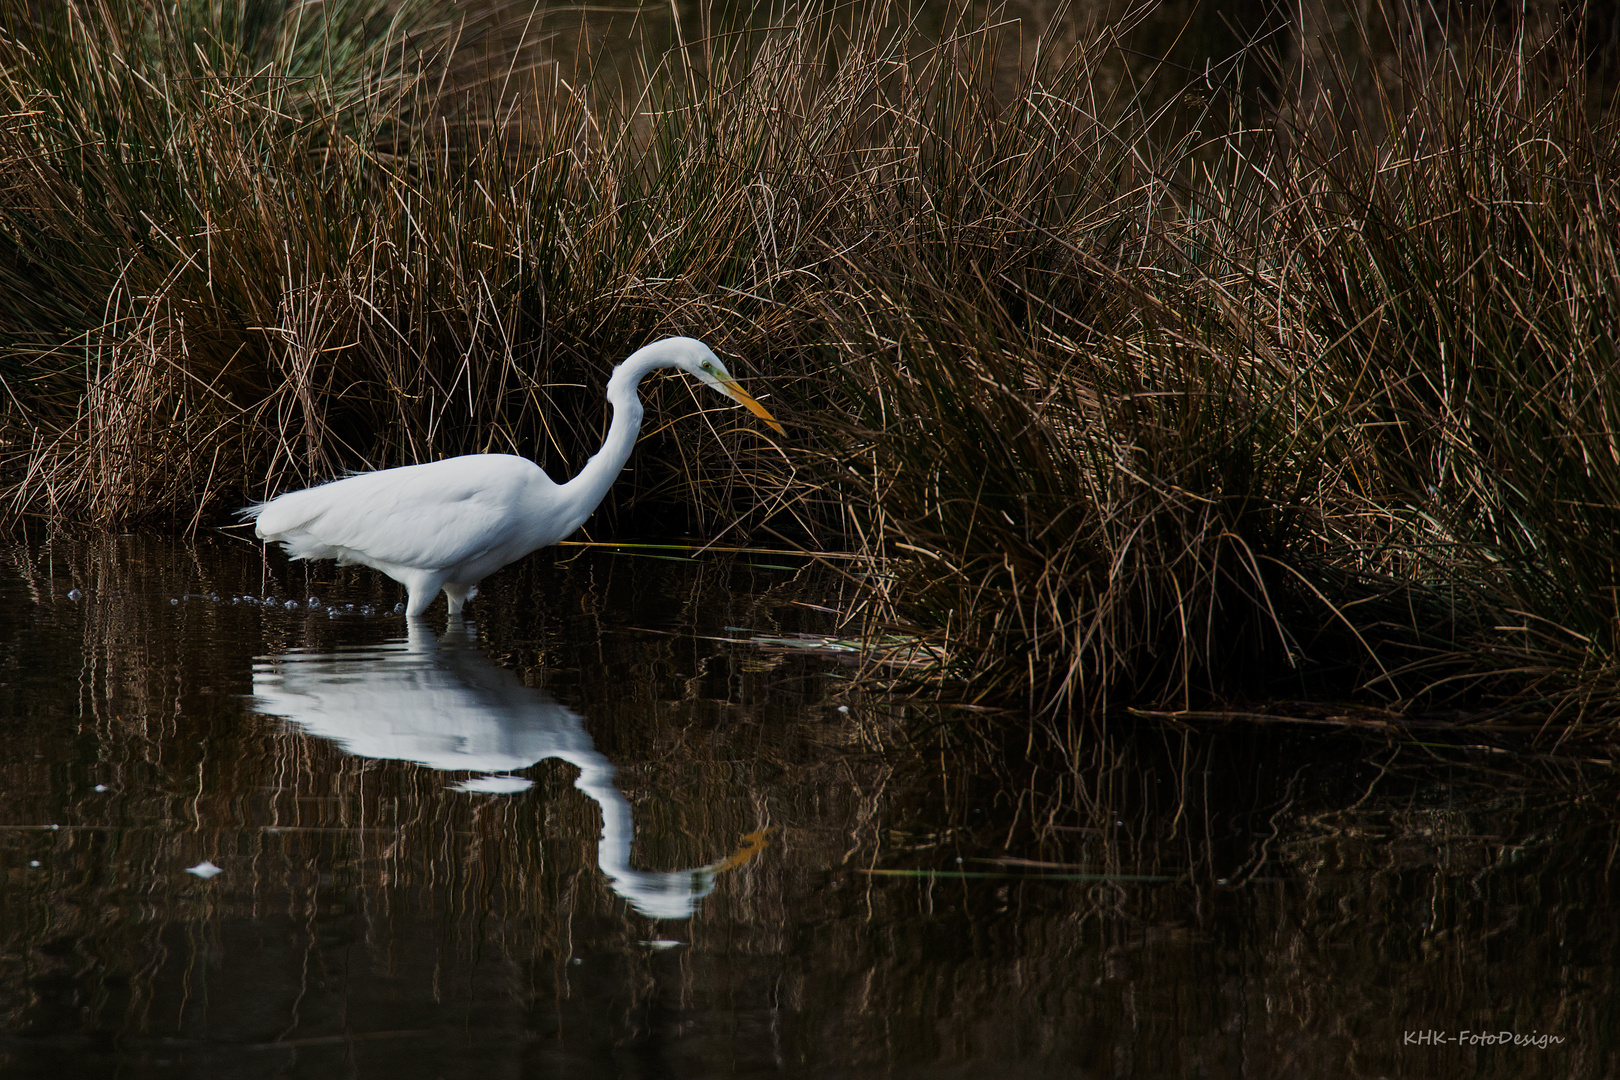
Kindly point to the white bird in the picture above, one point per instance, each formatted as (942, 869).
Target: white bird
(449, 524)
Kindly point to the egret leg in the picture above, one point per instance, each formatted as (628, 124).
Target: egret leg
(458, 595)
(422, 587)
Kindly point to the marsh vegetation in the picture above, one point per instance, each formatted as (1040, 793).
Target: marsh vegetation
(1286, 374)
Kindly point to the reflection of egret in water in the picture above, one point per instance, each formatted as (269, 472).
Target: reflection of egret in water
(447, 706)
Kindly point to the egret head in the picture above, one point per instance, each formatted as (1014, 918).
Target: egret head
(700, 361)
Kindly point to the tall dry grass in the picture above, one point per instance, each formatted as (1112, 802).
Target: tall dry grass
(1134, 385)
(1309, 412)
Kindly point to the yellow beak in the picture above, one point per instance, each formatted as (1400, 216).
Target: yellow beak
(747, 401)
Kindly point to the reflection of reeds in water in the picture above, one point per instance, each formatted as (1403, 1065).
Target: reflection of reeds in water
(309, 835)
(367, 909)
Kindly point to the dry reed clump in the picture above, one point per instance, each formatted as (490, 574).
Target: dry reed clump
(231, 277)
(1460, 271)
(1131, 393)
(1338, 422)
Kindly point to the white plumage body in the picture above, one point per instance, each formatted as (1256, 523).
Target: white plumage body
(443, 525)
(449, 524)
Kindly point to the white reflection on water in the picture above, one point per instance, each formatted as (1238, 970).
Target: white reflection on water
(445, 705)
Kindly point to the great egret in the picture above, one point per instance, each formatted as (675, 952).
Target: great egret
(449, 524)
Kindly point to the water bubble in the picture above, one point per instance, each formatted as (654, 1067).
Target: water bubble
(101, 787)
(368, 611)
(204, 870)
(214, 596)
(173, 600)
(843, 708)
(33, 862)
(290, 605)
(314, 601)
(75, 595)
(399, 609)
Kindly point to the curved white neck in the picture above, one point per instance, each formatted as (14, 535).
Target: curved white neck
(586, 490)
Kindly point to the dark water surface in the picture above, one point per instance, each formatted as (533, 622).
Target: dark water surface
(598, 832)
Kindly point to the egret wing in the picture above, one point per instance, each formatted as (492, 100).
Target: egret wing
(436, 515)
